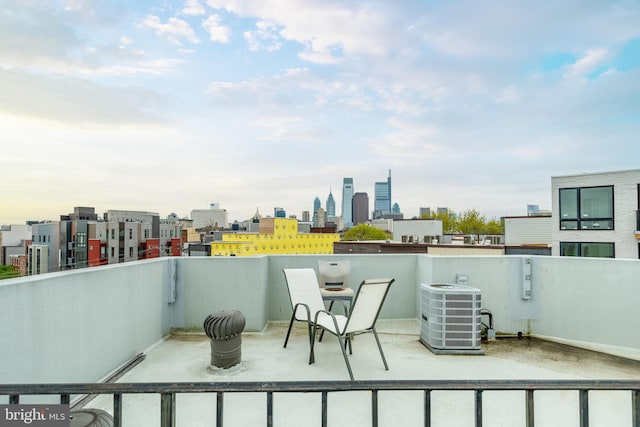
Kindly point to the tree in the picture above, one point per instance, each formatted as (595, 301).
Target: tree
(365, 232)
(8, 272)
(448, 218)
(495, 226)
(471, 222)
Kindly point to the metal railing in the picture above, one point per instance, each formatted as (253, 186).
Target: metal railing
(169, 391)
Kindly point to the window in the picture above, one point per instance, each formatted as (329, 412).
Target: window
(586, 208)
(588, 249)
(130, 233)
(82, 240)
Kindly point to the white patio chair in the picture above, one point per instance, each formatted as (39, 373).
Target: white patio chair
(362, 319)
(305, 297)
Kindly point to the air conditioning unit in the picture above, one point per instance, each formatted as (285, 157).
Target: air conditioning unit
(450, 319)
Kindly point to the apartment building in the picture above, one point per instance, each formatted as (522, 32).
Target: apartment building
(596, 214)
(275, 236)
(14, 240)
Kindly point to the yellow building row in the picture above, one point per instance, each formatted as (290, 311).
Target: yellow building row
(275, 236)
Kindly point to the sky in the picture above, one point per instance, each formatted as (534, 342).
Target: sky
(168, 106)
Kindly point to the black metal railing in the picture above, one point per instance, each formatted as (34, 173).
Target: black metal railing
(169, 391)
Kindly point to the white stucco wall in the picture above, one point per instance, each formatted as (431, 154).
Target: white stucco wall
(590, 301)
(401, 300)
(211, 284)
(78, 326)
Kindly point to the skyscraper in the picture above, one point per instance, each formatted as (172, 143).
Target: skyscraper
(316, 207)
(360, 208)
(382, 201)
(347, 196)
(331, 205)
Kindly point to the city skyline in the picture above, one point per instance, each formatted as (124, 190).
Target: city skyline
(167, 107)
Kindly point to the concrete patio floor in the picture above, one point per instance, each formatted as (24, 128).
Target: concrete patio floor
(185, 357)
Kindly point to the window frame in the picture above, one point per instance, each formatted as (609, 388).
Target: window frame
(579, 223)
(580, 250)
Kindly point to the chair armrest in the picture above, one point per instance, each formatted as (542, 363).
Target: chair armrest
(333, 318)
(306, 307)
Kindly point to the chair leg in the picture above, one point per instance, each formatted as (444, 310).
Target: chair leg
(312, 358)
(380, 348)
(293, 316)
(344, 354)
(312, 334)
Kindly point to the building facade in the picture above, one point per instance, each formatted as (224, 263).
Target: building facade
(81, 213)
(382, 198)
(527, 230)
(596, 215)
(214, 217)
(331, 206)
(38, 259)
(47, 234)
(360, 208)
(317, 204)
(417, 231)
(275, 236)
(14, 240)
(347, 207)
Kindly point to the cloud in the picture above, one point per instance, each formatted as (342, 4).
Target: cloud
(217, 33)
(78, 102)
(590, 62)
(174, 30)
(327, 30)
(194, 8)
(264, 37)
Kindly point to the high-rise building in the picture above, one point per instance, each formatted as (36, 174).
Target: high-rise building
(279, 213)
(360, 208)
(321, 218)
(347, 207)
(382, 201)
(395, 208)
(331, 206)
(316, 207)
(424, 213)
(306, 216)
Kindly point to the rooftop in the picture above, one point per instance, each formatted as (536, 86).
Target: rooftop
(185, 357)
(578, 323)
